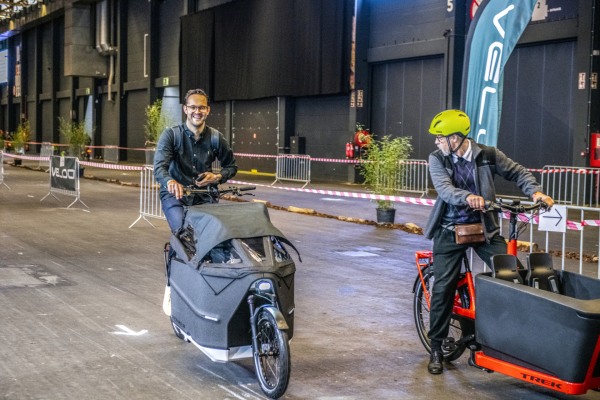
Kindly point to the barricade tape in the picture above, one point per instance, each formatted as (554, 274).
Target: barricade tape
(571, 225)
(355, 195)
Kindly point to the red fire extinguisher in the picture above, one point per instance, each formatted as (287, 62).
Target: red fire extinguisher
(349, 150)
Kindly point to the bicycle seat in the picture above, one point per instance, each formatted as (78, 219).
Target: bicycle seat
(540, 273)
(504, 266)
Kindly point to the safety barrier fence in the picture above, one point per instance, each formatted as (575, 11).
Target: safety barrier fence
(150, 206)
(111, 154)
(46, 151)
(571, 185)
(292, 167)
(2, 170)
(412, 177)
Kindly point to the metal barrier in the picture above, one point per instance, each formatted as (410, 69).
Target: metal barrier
(64, 178)
(111, 154)
(46, 152)
(150, 206)
(293, 167)
(414, 177)
(572, 185)
(2, 170)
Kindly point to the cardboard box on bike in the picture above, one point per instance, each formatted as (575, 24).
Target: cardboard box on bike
(553, 335)
(233, 246)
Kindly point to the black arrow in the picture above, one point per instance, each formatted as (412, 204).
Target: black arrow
(553, 217)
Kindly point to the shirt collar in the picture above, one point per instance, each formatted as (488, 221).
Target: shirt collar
(468, 156)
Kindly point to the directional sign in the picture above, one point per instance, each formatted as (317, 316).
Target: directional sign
(554, 220)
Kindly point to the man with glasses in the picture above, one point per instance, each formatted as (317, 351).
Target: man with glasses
(462, 172)
(185, 153)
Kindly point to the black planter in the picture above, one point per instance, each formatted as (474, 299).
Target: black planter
(17, 161)
(386, 215)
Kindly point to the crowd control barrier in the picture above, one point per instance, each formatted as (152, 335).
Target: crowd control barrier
(293, 167)
(111, 154)
(572, 185)
(414, 177)
(150, 206)
(2, 170)
(64, 178)
(46, 152)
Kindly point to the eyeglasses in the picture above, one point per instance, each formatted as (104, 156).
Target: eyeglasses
(197, 108)
(439, 138)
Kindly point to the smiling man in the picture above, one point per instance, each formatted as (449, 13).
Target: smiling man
(185, 154)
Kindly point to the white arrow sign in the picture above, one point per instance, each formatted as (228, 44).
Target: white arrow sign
(126, 331)
(554, 220)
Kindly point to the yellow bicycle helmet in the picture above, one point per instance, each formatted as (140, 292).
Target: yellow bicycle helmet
(450, 122)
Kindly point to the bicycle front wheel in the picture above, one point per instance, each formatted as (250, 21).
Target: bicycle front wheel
(272, 357)
(422, 312)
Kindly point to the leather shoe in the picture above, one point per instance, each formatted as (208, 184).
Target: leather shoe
(435, 366)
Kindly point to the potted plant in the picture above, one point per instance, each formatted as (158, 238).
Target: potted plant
(75, 136)
(156, 123)
(20, 139)
(382, 171)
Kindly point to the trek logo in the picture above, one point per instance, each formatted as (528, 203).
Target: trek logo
(63, 173)
(493, 67)
(541, 381)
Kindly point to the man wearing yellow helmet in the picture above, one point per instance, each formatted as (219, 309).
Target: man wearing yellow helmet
(462, 172)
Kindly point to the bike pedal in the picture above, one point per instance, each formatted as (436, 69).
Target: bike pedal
(449, 345)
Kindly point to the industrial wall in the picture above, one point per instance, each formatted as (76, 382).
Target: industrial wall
(103, 62)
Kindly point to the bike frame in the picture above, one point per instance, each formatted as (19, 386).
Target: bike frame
(424, 259)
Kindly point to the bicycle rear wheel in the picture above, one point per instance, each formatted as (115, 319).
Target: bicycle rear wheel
(272, 357)
(421, 313)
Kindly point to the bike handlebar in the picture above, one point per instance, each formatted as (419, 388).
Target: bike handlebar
(515, 208)
(214, 191)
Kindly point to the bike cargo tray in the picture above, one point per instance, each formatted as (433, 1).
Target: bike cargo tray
(548, 332)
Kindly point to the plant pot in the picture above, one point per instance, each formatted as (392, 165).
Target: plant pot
(386, 215)
(17, 161)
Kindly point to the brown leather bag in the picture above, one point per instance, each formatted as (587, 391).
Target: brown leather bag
(469, 233)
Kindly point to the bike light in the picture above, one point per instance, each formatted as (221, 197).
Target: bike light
(264, 286)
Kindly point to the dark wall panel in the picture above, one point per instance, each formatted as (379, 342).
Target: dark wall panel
(405, 97)
(324, 123)
(137, 27)
(396, 22)
(536, 127)
(168, 36)
(47, 62)
(136, 103)
(255, 131)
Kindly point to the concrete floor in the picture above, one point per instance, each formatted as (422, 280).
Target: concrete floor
(74, 281)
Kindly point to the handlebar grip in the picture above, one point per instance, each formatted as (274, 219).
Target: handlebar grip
(246, 188)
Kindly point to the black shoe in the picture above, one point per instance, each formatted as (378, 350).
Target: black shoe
(435, 366)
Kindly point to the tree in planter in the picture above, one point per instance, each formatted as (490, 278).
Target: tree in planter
(383, 166)
(156, 123)
(75, 135)
(20, 139)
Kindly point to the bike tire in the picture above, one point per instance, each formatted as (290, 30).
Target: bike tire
(272, 357)
(421, 314)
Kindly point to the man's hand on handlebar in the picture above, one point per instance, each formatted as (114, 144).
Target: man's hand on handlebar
(476, 202)
(207, 178)
(175, 188)
(541, 197)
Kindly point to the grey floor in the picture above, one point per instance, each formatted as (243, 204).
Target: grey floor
(81, 296)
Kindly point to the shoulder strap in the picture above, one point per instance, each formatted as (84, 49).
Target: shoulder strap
(177, 133)
(214, 141)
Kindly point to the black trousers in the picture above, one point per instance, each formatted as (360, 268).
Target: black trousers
(447, 258)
